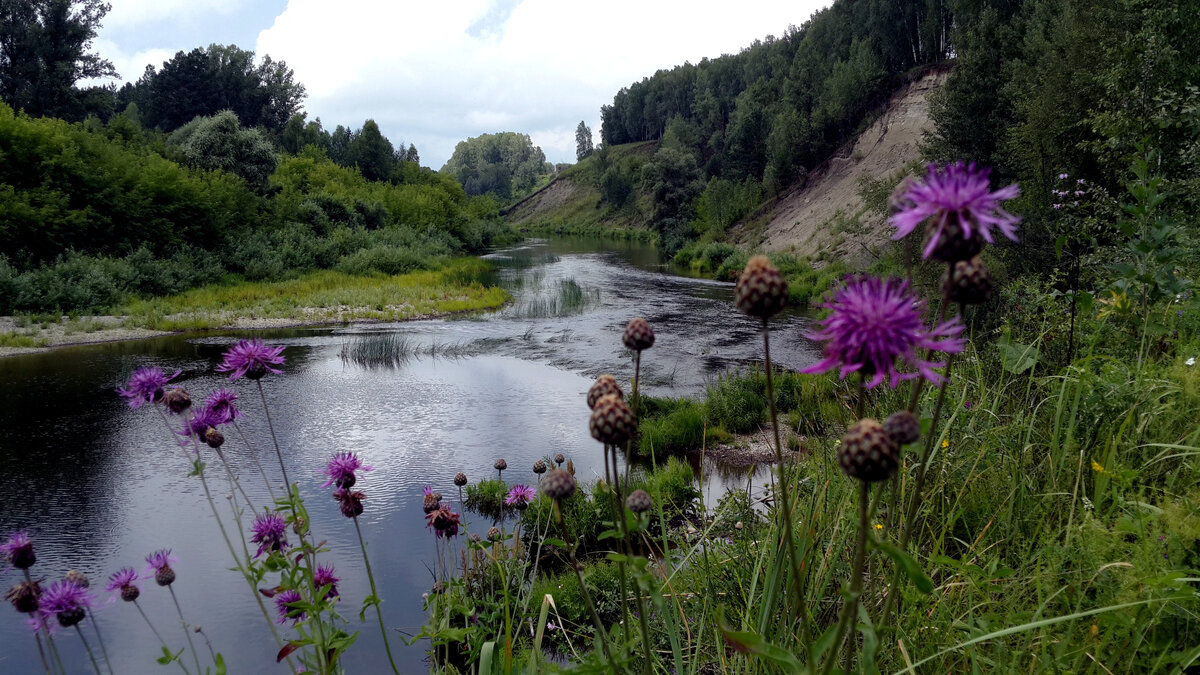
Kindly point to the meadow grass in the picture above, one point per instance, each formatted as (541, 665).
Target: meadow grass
(325, 296)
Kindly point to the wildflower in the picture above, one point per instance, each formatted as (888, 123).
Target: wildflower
(177, 400)
(558, 457)
(122, 581)
(903, 427)
(341, 469)
(878, 527)
(460, 479)
(221, 403)
(443, 521)
(324, 577)
(350, 502)
(519, 496)
(958, 201)
(25, 596)
(159, 563)
(868, 453)
(945, 444)
(1063, 176)
(558, 485)
(1190, 362)
(638, 335)
(65, 600)
(432, 500)
(872, 323)
(612, 421)
(605, 384)
(283, 602)
(252, 359)
(18, 551)
(270, 533)
(500, 465)
(638, 501)
(145, 386)
(761, 290)
(202, 420)
(1097, 467)
(967, 405)
(539, 467)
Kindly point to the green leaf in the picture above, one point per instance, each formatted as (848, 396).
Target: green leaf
(485, 657)
(220, 664)
(907, 563)
(1016, 357)
(167, 656)
(554, 542)
(753, 643)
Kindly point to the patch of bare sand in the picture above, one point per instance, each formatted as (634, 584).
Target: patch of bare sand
(797, 221)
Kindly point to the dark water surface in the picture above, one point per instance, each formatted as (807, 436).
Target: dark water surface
(99, 486)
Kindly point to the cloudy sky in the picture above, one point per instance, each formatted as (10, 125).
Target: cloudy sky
(436, 73)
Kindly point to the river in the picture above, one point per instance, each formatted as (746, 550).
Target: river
(99, 486)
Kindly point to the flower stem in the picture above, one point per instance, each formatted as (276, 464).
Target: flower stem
(267, 413)
(157, 635)
(100, 639)
(254, 456)
(42, 652)
(914, 500)
(91, 656)
(850, 608)
(187, 633)
(374, 594)
(785, 498)
(583, 591)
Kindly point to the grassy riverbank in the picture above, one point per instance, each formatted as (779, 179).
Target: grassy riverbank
(314, 298)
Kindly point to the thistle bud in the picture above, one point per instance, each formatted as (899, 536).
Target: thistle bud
(761, 290)
(868, 453)
(612, 421)
(605, 385)
(903, 427)
(177, 400)
(638, 335)
(558, 485)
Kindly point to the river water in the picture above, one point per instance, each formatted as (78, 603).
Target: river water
(99, 486)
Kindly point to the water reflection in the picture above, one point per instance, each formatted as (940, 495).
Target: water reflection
(99, 486)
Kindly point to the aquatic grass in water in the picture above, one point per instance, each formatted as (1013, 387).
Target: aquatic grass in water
(564, 298)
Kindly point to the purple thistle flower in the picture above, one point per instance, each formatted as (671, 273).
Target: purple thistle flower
(341, 470)
(282, 600)
(957, 196)
(270, 533)
(250, 358)
(65, 600)
(159, 559)
(146, 386)
(18, 551)
(443, 521)
(872, 323)
(324, 577)
(520, 495)
(221, 402)
(123, 581)
(201, 421)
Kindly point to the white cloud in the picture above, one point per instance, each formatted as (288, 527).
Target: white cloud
(132, 13)
(129, 65)
(416, 68)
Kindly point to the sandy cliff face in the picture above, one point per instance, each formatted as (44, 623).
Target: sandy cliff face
(825, 212)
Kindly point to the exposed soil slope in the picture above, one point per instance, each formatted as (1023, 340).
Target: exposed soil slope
(825, 213)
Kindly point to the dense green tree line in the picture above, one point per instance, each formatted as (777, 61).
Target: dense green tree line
(92, 213)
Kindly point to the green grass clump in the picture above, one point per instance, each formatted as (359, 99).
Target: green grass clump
(486, 497)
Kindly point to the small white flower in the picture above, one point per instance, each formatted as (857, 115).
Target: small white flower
(1190, 362)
